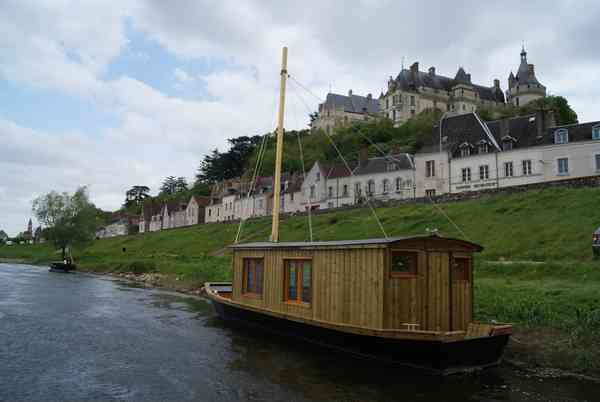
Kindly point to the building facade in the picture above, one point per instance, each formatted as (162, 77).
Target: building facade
(413, 91)
(524, 87)
(339, 110)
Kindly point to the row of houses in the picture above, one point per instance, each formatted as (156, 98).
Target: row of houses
(172, 214)
(464, 153)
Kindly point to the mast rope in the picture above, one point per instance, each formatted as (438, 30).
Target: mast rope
(310, 229)
(347, 167)
(257, 168)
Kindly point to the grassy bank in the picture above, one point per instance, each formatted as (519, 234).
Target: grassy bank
(551, 293)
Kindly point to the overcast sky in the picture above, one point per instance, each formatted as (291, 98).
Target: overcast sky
(111, 94)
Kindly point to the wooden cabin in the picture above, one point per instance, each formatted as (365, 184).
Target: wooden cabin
(417, 283)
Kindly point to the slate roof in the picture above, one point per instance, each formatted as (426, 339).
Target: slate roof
(150, 208)
(352, 103)
(412, 80)
(337, 171)
(380, 164)
(201, 200)
(466, 128)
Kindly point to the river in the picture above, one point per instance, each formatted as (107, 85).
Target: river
(78, 337)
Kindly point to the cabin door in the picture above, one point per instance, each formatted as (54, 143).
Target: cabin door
(437, 299)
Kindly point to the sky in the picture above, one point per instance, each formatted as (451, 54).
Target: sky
(111, 94)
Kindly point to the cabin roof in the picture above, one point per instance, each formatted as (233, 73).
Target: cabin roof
(348, 243)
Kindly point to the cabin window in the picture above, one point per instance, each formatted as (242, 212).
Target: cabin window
(403, 263)
(461, 269)
(298, 281)
(253, 275)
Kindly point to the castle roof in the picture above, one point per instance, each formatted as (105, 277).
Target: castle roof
(352, 103)
(525, 73)
(412, 79)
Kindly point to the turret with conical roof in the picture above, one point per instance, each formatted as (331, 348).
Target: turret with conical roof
(524, 86)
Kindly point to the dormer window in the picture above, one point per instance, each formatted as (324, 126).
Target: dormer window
(596, 132)
(508, 143)
(561, 136)
(465, 150)
(391, 166)
(483, 148)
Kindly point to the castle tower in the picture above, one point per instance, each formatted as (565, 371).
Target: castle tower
(524, 86)
(30, 227)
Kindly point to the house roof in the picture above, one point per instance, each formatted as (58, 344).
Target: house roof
(523, 130)
(352, 103)
(380, 164)
(378, 242)
(201, 200)
(337, 170)
(412, 80)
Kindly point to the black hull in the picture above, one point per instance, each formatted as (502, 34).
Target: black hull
(61, 267)
(435, 357)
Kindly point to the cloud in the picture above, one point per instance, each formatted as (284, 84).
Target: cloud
(67, 47)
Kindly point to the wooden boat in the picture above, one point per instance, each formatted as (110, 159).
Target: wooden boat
(401, 300)
(62, 267)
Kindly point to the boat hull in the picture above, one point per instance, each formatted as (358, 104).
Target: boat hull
(434, 357)
(61, 267)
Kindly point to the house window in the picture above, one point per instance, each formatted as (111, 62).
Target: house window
(394, 114)
(370, 187)
(596, 133)
(318, 176)
(260, 204)
(391, 167)
(430, 169)
(408, 183)
(386, 186)
(484, 172)
(483, 148)
(357, 189)
(466, 175)
(387, 103)
(330, 191)
(312, 191)
(403, 263)
(253, 276)
(526, 167)
(292, 197)
(412, 100)
(398, 184)
(563, 166)
(465, 151)
(345, 190)
(507, 145)
(209, 212)
(430, 193)
(597, 159)
(298, 281)
(461, 269)
(561, 136)
(508, 169)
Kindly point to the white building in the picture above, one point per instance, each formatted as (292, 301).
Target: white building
(504, 153)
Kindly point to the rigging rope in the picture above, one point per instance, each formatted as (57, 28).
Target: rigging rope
(437, 207)
(347, 166)
(310, 230)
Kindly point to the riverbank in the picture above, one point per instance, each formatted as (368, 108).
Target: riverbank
(536, 269)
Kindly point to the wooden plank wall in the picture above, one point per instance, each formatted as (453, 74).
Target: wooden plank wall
(404, 297)
(438, 292)
(462, 313)
(347, 284)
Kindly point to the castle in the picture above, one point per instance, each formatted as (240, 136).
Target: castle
(413, 91)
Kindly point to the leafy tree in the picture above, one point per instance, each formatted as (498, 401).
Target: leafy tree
(181, 184)
(563, 113)
(136, 195)
(169, 186)
(69, 219)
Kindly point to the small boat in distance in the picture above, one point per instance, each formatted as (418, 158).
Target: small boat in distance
(401, 300)
(64, 266)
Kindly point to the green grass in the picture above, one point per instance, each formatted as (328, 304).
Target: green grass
(560, 295)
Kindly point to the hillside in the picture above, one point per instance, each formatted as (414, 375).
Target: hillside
(536, 269)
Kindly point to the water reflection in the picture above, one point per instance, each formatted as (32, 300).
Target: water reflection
(80, 337)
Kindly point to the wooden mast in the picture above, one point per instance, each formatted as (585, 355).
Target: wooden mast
(279, 149)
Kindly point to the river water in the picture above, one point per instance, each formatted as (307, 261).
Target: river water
(77, 337)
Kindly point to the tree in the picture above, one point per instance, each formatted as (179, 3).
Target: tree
(169, 186)
(181, 184)
(563, 113)
(69, 219)
(136, 195)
